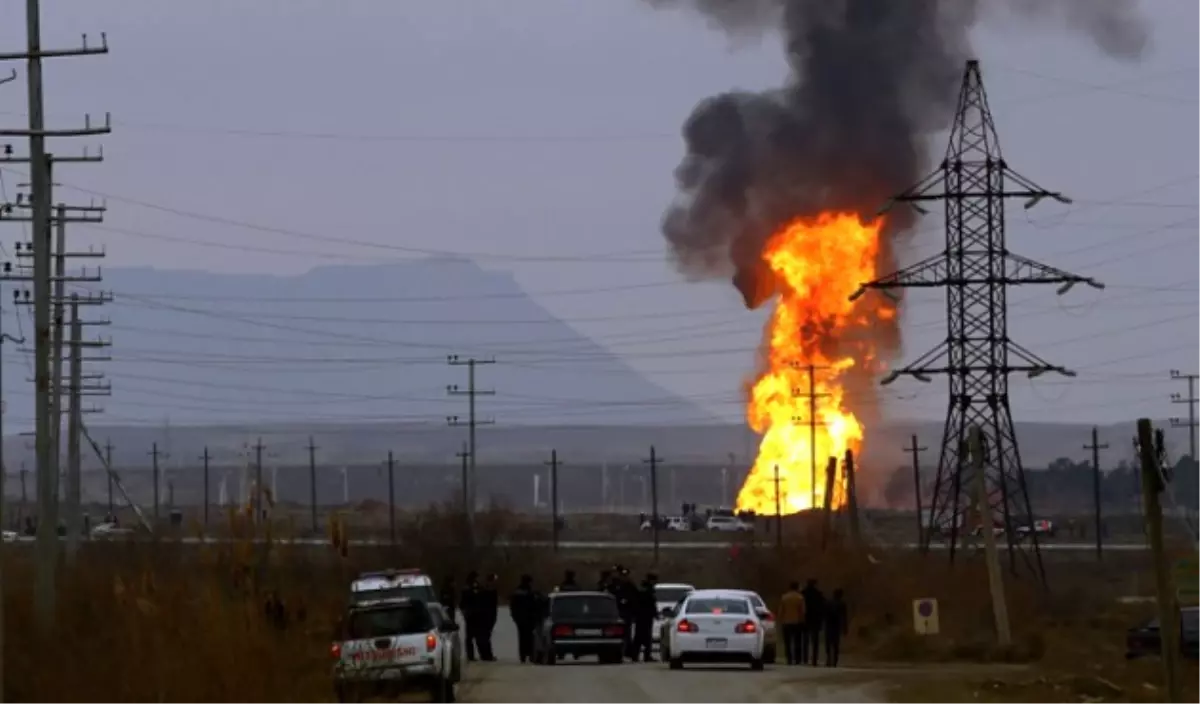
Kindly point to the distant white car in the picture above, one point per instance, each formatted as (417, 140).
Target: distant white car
(668, 523)
(727, 524)
(109, 530)
(667, 595)
(9, 536)
(714, 626)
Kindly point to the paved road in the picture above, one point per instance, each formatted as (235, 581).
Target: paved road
(587, 681)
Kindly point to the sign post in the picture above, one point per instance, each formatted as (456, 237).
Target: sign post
(925, 617)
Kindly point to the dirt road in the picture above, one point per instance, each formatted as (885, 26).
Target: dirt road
(587, 681)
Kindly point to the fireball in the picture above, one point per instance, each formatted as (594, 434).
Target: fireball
(814, 339)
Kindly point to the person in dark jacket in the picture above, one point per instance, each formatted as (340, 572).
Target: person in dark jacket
(568, 584)
(645, 608)
(837, 624)
(489, 609)
(627, 595)
(523, 607)
(814, 619)
(448, 598)
(471, 604)
(605, 578)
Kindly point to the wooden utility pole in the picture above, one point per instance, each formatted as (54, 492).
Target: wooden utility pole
(154, 453)
(554, 464)
(852, 501)
(312, 483)
(1096, 447)
(916, 449)
(205, 458)
(391, 467)
(654, 461)
(1168, 613)
(995, 580)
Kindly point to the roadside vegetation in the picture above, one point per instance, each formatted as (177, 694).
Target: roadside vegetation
(169, 622)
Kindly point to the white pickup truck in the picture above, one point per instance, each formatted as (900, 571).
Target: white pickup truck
(392, 647)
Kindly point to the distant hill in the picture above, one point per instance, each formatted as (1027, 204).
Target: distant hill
(355, 344)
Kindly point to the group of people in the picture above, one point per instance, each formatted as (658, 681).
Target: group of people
(636, 605)
(804, 616)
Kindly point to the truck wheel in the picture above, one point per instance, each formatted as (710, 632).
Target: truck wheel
(442, 691)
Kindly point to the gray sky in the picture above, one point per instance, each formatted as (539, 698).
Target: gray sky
(530, 127)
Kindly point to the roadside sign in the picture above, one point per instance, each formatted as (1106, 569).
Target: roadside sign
(1187, 580)
(925, 617)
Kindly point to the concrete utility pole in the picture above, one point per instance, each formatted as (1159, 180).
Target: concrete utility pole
(554, 464)
(256, 498)
(205, 459)
(778, 512)
(654, 461)
(995, 580)
(1150, 453)
(1191, 401)
(154, 453)
(108, 448)
(74, 523)
(812, 421)
(4, 471)
(391, 467)
(468, 524)
(1096, 447)
(40, 184)
(312, 482)
(472, 422)
(852, 501)
(916, 449)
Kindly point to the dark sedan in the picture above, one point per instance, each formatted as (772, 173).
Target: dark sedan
(1147, 640)
(577, 624)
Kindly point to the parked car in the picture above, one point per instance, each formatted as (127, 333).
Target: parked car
(579, 624)
(667, 595)
(727, 524)
(1146, 639)
(713, 626)
(390, 647)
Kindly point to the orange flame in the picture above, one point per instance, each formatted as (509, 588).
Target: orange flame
(818, 263)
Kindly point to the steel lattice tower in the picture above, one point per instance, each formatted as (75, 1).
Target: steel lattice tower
(976, 270)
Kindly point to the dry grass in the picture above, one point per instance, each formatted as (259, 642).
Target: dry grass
(167, 622)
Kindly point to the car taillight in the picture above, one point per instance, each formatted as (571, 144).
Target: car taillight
(335, 650)
(746, 627)
(563, 631)
(614, 631)
(686, 626)
(430, 642)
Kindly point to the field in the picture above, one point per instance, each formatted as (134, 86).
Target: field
(163, 621)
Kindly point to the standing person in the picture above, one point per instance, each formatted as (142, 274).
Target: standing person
(568, 584)
(489, 609)
(645, 609)
(626, 594)
(470, 602)
(605, 578)
(791, 623)
(522, 605)
(814, 619)
(837, 624)
(448, 597)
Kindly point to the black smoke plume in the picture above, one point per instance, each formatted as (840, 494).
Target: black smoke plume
(871, 81)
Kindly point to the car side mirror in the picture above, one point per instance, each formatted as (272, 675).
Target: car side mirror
(668, 612)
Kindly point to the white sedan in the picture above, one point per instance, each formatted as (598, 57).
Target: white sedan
(714, 626)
